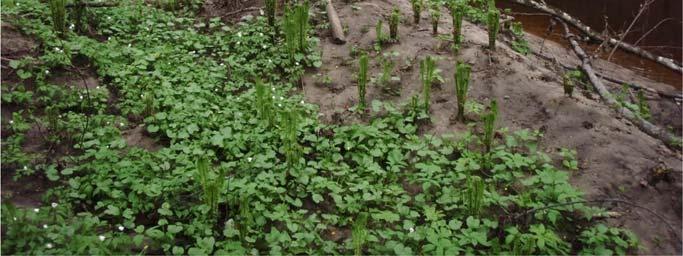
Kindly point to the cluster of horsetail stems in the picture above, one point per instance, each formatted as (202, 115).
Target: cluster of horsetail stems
(290, 126)
(359, 233)
(264, 102)
(427, 67)
(474, 195)
(394, 20)
(462, 81)
(381, 38)
(212, 184)
(58, 15)
(436, 16)
(271, 9)
(493, 17)
(296, 28)
(362, 79)
(417, 9)
(457, 13)
(490, 126)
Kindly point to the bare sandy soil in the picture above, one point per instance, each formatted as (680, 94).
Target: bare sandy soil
(617, 160)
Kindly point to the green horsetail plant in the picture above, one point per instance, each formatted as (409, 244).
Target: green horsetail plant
(457, 13)
(436, 17)
(490, 126)
(380, 37)
(474, 195)
(417, 9)
(393, 24)
(492, 4)
(462, 81)
(271, 10)
(58, 14)
(359, 233)
(290, 127)
(264, 103)
(568, 84)
(296, 28)
(387, 67)
(212, 184)
(643, 108)
(148, 101)
(362, 80)
(245, 218)
(493, 18)
(427, 69)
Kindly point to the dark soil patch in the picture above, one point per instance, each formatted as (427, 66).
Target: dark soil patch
(137, 137)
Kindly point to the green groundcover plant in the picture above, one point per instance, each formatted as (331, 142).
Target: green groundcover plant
(233, 174)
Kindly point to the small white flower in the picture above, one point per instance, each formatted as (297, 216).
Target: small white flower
(48, 245)
(273, 96)
(25, 168)
(297, 63)
(109, 17)
(302, 102)
(11, 121)
(222, 64)
(36, 210)
(15, 218)
(279, 104)
(121, 228)
(129, 45)
(239, 34)
(101, 237)
(270, 61)
(80, 96)
(56, 49)
(260, 34)
(264, 46)
(142, 95)
(215, 90)
(272, 89)
(45, 226)
(412, 230)
(122, 124)
(282, 98)
(238, 43)
(72, 26)
(54, 205)
(47, 72)
(108, 38)
(249, 159)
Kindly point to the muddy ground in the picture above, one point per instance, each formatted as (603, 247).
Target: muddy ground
(616, 158)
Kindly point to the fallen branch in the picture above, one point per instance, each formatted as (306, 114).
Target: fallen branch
(595, 36)
(93, 4)
(645, 126)
(614, 80)
(249, 9)
(335, 24)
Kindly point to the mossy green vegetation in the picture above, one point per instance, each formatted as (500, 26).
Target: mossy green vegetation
(243, 166)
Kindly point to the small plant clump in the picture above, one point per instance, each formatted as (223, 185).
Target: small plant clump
(58, 14)
(457, 14)
(462, 80)
(211, 183)
(568, 84)
(643, 108)
(436, 17)
(359, 233)
(296, 29)
(394, 21)
(475, 195)
(417, 9)
(362, 80)
(264, 102)
(427, 75)
(380, 37)
(493, 20)
(490, 126)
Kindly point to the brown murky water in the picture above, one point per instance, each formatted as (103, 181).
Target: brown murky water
(659, 30)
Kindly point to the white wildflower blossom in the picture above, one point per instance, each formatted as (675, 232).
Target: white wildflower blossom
(11, 121)
(54, 205)
(412, 230)
(239, 34)
(297, 63)
(129, 45)
(279, 104)
(47, 72)
(101, 237)
(122, 124)
(302, 102)
(108, 17)
(25, 167)
(260, 34)
(57, 49)
(282, 98)
(36, 210)
(80, 96)
(72, 26)
(249, 159)
(264, 46)
(45, 226)
(121, 228)
(108, 38)
(48, 245)
(15, 218)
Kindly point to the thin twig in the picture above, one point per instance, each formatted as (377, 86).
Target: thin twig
(643, 7)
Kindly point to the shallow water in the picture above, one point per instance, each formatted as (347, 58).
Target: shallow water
(664, 40)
